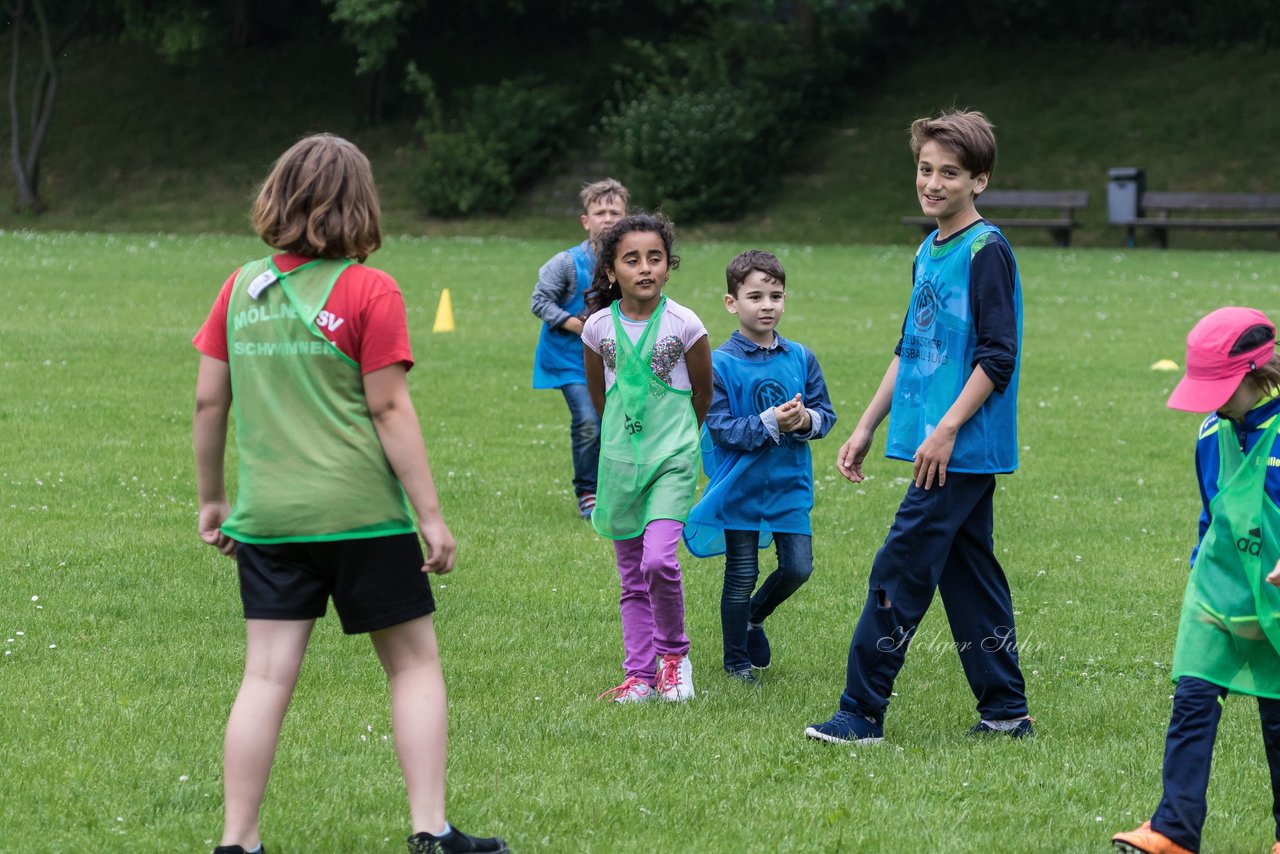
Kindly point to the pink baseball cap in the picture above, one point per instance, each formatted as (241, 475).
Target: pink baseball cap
(1219, 355)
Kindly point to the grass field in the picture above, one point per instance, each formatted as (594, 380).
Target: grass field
(123, 640)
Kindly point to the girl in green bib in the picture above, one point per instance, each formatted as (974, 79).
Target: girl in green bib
(311, 348)
(1229, 632)
(648, 367)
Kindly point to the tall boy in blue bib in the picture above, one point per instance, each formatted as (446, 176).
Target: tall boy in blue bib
(769, 401)
(951, 396)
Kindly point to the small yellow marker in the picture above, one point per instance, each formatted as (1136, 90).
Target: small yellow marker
(444, 314)
(1165, 365)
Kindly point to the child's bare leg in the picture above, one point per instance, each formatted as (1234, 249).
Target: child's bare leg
(419, 715)
(273, 657)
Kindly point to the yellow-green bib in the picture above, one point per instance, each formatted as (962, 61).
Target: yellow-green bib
(311, 465)
(649, 457)
(1229, 634)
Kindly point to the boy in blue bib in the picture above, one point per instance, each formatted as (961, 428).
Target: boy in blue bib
(950, 394)
(769, 401)
(559, 302)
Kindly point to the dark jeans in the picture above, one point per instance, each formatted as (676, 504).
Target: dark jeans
(741, 569)
(940, 540)
(1188, 751)
(584, 434)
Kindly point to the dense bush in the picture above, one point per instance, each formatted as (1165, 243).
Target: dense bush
(477, 156)
(459, 173)
(701, 127)
(697, 155)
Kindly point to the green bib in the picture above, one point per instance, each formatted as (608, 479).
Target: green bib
(649, 457)
(311, 465)
(1228, 634)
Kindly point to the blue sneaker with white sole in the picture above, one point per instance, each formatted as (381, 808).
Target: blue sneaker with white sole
(1021, 728)
(846, 728)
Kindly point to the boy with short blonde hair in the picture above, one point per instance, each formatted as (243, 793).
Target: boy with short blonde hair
(559, 302)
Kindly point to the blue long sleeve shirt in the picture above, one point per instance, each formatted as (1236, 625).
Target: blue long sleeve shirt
(756, 431)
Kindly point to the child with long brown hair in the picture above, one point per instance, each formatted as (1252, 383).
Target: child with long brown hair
(648, 367)
(313, 348)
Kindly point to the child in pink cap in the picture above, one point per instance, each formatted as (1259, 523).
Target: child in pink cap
(1229, 633)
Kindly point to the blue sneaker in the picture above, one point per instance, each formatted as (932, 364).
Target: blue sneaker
(758, 651)
(744, 676)
(847, 728)
(1022, 728)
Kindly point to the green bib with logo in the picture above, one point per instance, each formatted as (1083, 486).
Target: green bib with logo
(649, 457)
(311, 464)
(1229, 634)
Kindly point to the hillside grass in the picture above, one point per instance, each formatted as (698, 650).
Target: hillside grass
(123, 639)
(141, 146)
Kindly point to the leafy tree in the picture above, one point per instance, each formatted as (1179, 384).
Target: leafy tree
(374, 28)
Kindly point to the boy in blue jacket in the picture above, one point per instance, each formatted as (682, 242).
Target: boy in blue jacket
(769, 401)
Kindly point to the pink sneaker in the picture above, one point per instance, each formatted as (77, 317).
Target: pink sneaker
(633, 690)
(675, 679)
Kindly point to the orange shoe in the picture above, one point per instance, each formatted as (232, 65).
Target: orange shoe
(1275, 849)
(1144, 840)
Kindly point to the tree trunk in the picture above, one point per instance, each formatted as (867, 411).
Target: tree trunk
(28, 193)
(44, 93)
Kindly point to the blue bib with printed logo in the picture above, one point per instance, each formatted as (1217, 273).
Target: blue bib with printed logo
(769, 489)
(938, 344)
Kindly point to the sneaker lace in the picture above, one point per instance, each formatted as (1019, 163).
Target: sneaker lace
(620, 690)
(843, 719)
(668, 673)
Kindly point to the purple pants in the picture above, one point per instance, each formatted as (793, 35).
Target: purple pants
(652, 601)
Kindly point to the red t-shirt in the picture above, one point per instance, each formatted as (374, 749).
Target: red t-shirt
(366, 317)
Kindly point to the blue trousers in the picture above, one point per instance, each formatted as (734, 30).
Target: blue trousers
(940, 540)
(1188, 752)
(584, 436)
(741, 570)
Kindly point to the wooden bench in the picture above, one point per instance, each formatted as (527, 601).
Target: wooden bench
(1210, 211)
(1062, 203)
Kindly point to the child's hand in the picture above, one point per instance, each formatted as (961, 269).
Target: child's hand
(792, 417)
(852, 453)
(932, 457)
(442, 548)
(210, 525)
(1273, 577)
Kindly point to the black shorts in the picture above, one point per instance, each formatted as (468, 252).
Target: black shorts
(375, 583)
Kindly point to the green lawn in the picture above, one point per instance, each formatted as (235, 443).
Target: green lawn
(122, 636)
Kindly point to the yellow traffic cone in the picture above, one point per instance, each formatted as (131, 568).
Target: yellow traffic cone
(444, 314)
